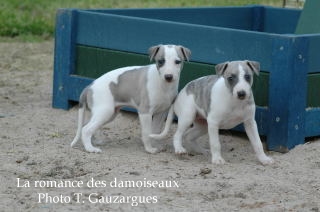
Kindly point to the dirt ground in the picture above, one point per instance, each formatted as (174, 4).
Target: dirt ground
(40, 171)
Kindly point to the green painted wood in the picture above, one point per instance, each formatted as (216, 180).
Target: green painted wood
(260, 89)
(93, 62)
(313, 96)
(309, 19)
(193, 71)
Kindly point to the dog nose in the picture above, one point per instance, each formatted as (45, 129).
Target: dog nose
(168, 77)
(241, 95)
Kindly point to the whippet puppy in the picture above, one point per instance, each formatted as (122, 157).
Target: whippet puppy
(216, 102)
(150, 89)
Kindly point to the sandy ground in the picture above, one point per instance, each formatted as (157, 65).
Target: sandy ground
(35, 153)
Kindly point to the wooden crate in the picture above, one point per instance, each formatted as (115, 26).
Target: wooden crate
(90, 43)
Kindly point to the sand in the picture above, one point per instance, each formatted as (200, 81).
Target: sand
(40, 171)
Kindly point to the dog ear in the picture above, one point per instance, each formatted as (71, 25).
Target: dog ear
(254, 66)
(221, 67)
(153, 51)
(185, 52)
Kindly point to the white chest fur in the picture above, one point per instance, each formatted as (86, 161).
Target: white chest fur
(227, 111)
(161, 93)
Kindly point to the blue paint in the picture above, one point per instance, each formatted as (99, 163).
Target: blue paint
(63, 57)
(287, 93)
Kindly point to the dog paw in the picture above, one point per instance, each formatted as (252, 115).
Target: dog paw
(152, 150)
(180, 151)
(218, 160)
(93, 149)
(266, 160)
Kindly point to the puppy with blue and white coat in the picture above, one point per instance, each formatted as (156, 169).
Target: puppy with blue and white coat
(215, 102)
(150, 89)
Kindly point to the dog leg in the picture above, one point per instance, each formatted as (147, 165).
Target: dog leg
(146, 129)
(252, 132)
(184, 123)
(215, 145)
(191, 136)
(99, 117)
(81, 117)
(158, 122)
(100, 138)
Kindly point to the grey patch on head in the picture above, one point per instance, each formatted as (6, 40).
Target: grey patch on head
(86, 98)
(254, 66)
(201, 90)
(131, 86)
(183, 52)
(221, 67)
(230, 72)
(156, 53)
(231, 75)
(250, 68)
(153, 51)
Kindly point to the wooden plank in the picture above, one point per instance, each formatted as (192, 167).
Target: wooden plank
(260, 89)
(215, 44)
(227, 17)
(287, 94)
(111, 31)
(313, 96)
(63, 57)
(94, 62)
(314, 52)
(193, 71)
(280, 20)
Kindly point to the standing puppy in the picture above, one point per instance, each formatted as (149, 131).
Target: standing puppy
(150, 89)
(224, 101)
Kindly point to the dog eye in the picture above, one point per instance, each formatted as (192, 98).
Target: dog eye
(247, 77)
(177, 62)
(161, 62)
(230, 79)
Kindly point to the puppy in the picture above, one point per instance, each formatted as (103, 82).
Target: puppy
(222, 101)
(150, 89)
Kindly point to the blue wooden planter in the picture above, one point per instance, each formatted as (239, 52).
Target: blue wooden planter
(91, 42)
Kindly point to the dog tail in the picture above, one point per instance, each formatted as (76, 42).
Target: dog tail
(165, 131)
(81, 114)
